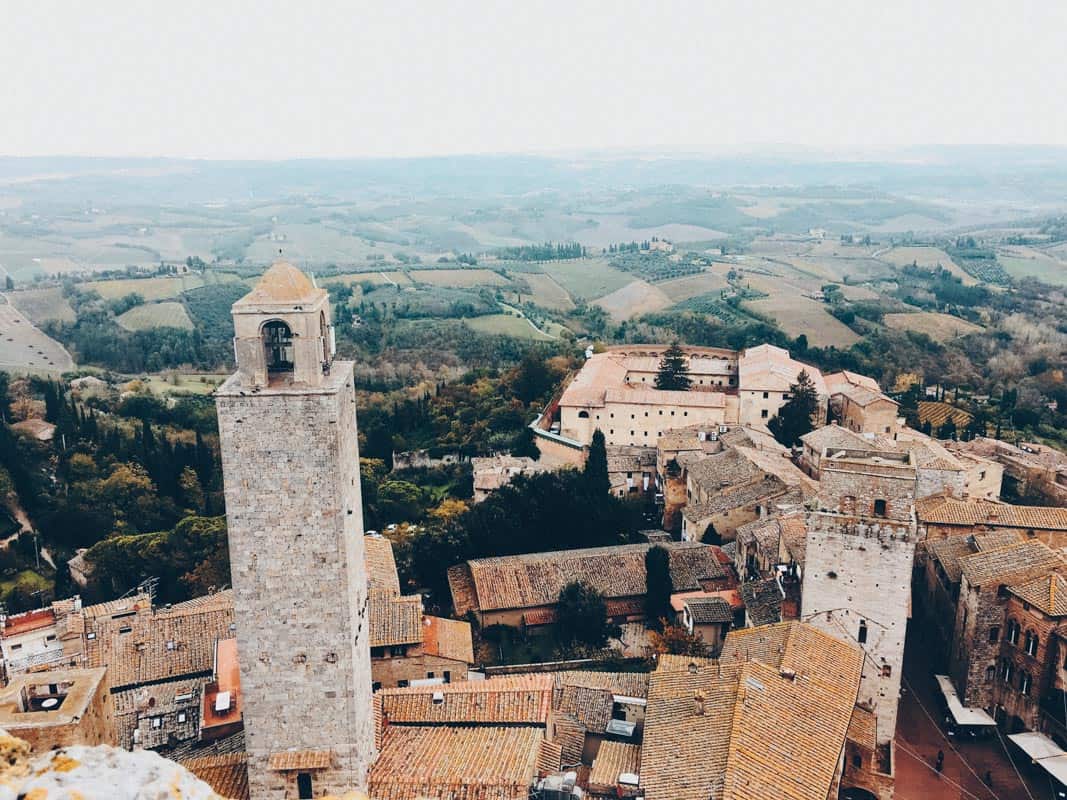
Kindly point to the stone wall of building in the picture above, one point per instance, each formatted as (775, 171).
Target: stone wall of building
(1041, 666)
(973, 654)
(92, 728)
(857, 587)
(291, 467)
(930, 481)
(638, 424)
(387, 672)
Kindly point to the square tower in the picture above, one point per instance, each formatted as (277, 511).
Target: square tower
(287, 430)
(858, 563)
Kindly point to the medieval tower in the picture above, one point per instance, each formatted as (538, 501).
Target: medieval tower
(857, 571)
(287, 429)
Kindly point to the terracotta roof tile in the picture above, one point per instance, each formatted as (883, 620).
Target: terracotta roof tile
(708, 611)
(394, 620)
(528, 581)
(291, 760)
(863, 728)
(630, 684)
(447, 638)
(226, 774)
(942, 510)
(1047, 593)
(282, 283)
(612, 760)
(570, 733)
(517, 699)
(381, 565)
(549, 758)
(464, 763)
(1010, 564)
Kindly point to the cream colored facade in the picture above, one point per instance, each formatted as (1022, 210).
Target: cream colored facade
(615, 392)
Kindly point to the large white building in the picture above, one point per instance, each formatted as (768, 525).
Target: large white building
(615, 392)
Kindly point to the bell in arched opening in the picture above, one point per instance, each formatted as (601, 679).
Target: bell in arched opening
(278, 346)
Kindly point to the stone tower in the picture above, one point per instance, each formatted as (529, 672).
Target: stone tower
(287, 429)
(857, 570)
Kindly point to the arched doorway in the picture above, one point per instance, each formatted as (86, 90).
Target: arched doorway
(856, 793)
(278, 346)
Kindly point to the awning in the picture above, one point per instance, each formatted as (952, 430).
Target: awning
(960, 714)
(1044, 752)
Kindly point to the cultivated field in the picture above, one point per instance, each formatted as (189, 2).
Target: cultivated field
(928, 258)
(546, 292)
(168, 314)
(42, 305)
(459, 278)
(679, 289)
(1029, 262)
(587, 278)
(506, 325)
(377, 278)
(940, 327)
(633, 300)
(796, 315)
(183, 383)
(155, 288)
(25, 348)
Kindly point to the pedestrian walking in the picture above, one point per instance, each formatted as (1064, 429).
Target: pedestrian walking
(940, 760)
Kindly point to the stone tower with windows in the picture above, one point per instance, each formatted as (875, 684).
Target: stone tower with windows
(287, 430)
(858, 564)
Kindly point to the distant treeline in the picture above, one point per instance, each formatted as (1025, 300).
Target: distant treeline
(549, 251)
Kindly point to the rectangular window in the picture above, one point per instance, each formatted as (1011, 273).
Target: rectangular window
(763, 413)
(182, 716)
(157, 722)
(994, 634)
(766, 395)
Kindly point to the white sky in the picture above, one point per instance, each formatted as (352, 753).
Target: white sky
(306, 79)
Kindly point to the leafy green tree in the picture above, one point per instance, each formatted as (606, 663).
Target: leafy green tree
(533, 379)
(796, 417)
(526, 445)
(582, 616)
(658, 586)
(596, 465)
(400, 501)
(673, 372)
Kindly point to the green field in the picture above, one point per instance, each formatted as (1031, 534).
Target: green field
(506, 325)
(1029, 262)
(156, 288)
(184, 383)
(587, 278)
(156, 315)
(633, 300)
(43, 305)
(377, 278)
(545, 292)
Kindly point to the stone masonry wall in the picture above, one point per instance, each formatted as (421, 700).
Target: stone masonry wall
(291, 467)
(857, 572)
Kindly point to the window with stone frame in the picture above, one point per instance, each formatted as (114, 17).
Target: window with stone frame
(1031, 643)
(1024, 683)
(1006, 670)
(1013, 631)
(994, 634)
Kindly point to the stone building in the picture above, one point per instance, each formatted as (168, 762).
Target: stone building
(859, 404)
(615, 392)
(1029, 469)
(941, 517)
(287, 432)
(857, 576)
(524, 589)
(406, 645)
(492, 472)
(59, 708)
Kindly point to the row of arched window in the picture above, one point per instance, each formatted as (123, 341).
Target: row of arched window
(1030, 640)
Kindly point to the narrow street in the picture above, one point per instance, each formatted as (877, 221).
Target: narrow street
(920, 736)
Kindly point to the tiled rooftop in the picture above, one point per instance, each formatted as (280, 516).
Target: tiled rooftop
(1047, 593)
(526, 581)
(447, 638)
(943, 510)
(1009, 564)
(612, 760)
(465, 763)
(381, 565)
(516, 700)
(226, 774)
(394, 620)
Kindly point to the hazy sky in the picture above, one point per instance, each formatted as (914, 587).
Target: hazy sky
(304, 78)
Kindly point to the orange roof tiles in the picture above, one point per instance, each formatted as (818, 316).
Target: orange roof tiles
(1047, 593)
(863, 728)
(227, 774)
(464, 763)
(381, 565)
(282, 283)
(29, 621)
(1010, 564)
(517, 699)
(292, 760)
(447, 638)
(944, 510)
(613, 759)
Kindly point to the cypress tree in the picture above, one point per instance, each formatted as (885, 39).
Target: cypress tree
(596, 465)
(673, 372)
